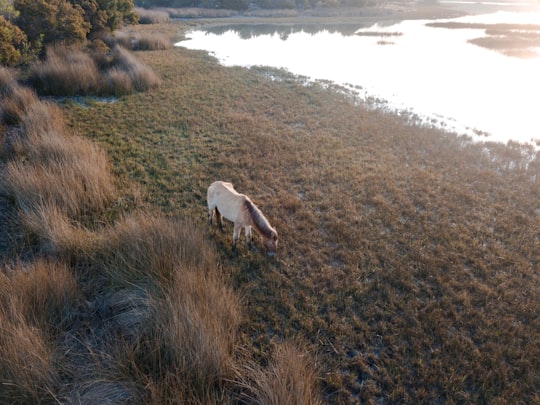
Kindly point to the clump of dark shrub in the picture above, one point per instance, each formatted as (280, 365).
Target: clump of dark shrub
(137, 42)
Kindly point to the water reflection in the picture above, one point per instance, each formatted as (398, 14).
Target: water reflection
(283, 31)
(430, 70)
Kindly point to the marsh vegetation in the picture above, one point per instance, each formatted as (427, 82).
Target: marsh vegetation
(407, 268)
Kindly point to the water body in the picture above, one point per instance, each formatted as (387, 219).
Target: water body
(426, 67)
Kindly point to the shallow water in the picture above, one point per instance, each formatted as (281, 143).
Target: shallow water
(430, 71)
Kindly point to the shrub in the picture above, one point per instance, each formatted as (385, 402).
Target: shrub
(140, 42)
(123, 39)
(187, 315)
(70, 71)
(12, 42)
(51, 21)
(58, 234)
(42, 122)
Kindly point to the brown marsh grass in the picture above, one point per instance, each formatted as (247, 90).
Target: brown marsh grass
(8, 80)
(15, 103)
(37, 301)
(407, 255)
(55, 169)
(290, 378)
(73, 72)
(65, 72)
(139, 42)
(141, 75)
(152, 16)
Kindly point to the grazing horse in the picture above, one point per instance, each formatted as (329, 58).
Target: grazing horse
(240, 210)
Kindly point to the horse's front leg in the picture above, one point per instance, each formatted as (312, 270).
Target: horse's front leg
(236, 236)
(248, 238)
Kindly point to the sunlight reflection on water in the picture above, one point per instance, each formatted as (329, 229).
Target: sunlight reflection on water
(433, 72)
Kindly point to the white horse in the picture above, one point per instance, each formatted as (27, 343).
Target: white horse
(239, 209)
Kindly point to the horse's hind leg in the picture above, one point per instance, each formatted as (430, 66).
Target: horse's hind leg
(250, 244)
(210, 215)
(236, 236)
(219, 219)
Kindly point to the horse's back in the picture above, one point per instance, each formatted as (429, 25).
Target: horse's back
(227, 200)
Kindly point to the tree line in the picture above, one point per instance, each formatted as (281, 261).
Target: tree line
(27, 26)
(255, 4)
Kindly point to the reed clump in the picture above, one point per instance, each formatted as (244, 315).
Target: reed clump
(142, 76)
(152, 16)
(37, 300)
(65, 72)
(68, 71)
(289, 378)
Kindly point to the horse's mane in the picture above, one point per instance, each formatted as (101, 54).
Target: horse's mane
(259, 220)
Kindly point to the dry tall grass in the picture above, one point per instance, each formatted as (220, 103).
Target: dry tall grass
(15, 104)
(73, 72)
(199, 322)
(8, 80)
(153, 42)
(37, 301)
(290, 378)
(144, 250)
(65, 72)
(52, 172)
(54, 178)
(141, 75)
(152, 16)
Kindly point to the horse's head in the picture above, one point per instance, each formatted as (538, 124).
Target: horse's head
(270, 244)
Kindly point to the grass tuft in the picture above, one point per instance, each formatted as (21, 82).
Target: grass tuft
(147, 250)
(142, 77)
(37, 301)
(290, 378)
(16, 103)
(65, 72)
(70, 71)
(152, 16)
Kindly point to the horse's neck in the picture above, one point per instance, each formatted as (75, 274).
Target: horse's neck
(257, 219)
